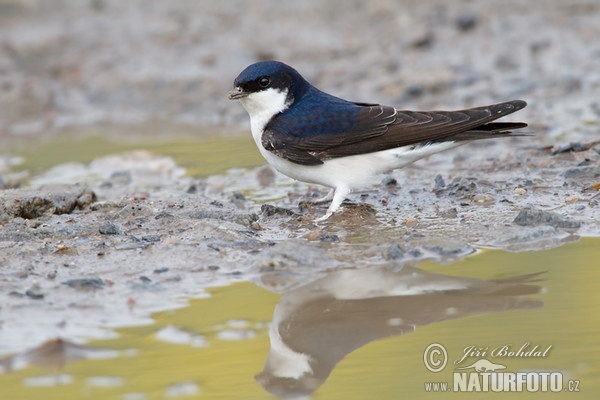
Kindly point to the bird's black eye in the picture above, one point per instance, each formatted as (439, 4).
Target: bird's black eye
(264, 81)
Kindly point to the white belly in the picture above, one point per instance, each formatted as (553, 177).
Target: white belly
(352, 172)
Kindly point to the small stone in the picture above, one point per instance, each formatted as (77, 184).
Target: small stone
(466, 21)
(520, 191)
(411, 222)
(395, 252)
(192, 189)
(329, 238)
(34, 294)
(108, 228)
(238, 196)
(145, 279)
(160, 270)
(256, 226)
(151, 238)
(389, 181)
(572, 198)
(85, 284)
(531, 216)
(422, 37)
(439, 183)
(269, 210)
(569, 147)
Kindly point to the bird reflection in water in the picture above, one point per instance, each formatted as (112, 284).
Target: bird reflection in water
(316, 325)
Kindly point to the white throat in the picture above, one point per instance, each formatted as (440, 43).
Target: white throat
(264, 105)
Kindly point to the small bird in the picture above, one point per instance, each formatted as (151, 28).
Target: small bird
(315, 137)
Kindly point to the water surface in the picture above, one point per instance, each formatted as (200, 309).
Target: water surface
(225, 339)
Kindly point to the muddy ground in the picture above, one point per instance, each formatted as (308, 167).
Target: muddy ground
(88, 247)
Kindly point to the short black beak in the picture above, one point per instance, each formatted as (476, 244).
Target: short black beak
(237, 93)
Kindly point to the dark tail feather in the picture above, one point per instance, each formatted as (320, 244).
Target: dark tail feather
(490, 131)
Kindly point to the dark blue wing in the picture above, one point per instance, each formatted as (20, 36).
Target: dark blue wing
(322, 127)
(320, 121)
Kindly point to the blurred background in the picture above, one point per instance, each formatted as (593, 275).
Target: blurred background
(161, 67)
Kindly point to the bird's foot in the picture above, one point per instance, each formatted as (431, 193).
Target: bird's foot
(338, 196)
(324, 217)
(324, 199)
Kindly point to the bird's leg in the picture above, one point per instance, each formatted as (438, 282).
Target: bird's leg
(338, 197)
(324, 199)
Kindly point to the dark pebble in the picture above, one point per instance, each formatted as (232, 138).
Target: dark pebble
(151, 238)
(92, 283)
(416, 253)
(213, 246)
(192, 189)
(216, 203)
(34, 294)
(269, 210)
(531, 216)
(422, 38)
(388, 181)
(414, 90)
(439, 183)
(163, 215)
(395, 252)
(466, 21)
(108, 229)
(570, 147)
(213, 267)
(238, 196)
(161, 270)
(329, 238)
(145, 279)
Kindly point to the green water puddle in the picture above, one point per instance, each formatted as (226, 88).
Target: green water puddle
(232, 325)
(201, 156)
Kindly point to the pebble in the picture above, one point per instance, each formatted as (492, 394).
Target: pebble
(466, 21)
(329, 238)
(108, 229)
(394, 252)
(268, 210)
(438, 182)
(572, 198)
(91, 283)
(35, 294)
(531, 216)
(389, 182)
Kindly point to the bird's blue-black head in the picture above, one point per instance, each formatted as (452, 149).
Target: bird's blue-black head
(269, 75)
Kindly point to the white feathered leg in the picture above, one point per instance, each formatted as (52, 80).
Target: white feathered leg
(340, 194)
(324, 199)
